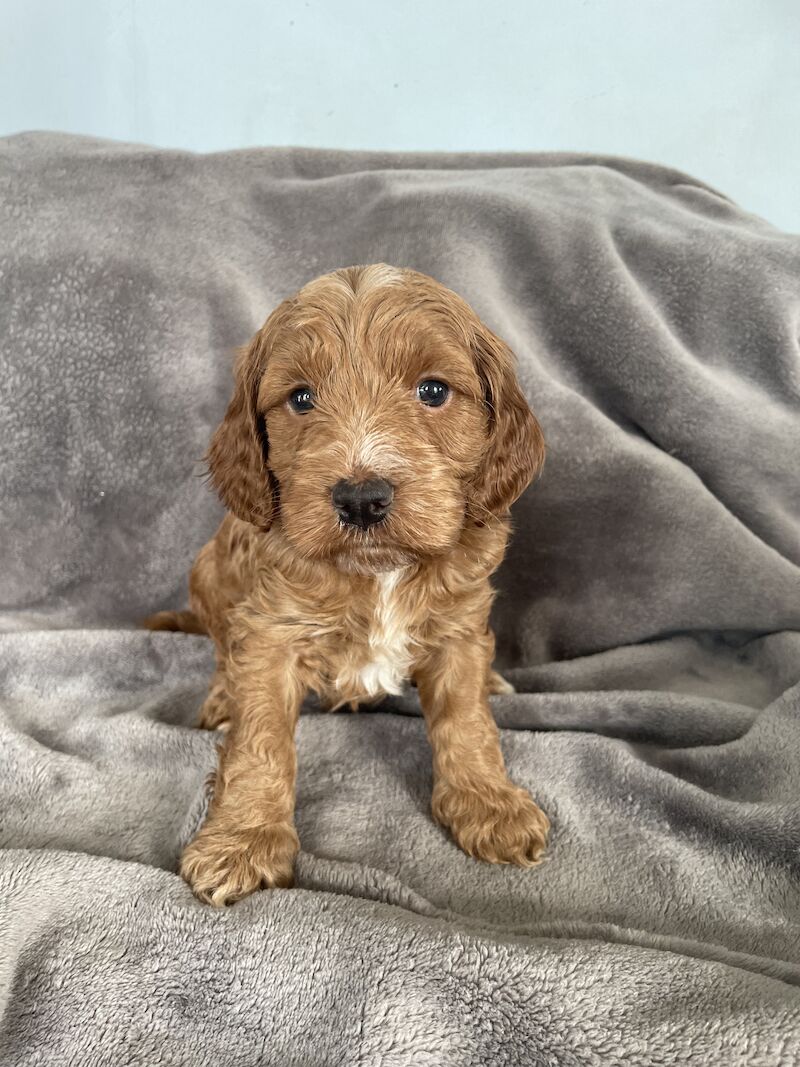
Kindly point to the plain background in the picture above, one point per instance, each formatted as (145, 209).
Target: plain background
(711, 87)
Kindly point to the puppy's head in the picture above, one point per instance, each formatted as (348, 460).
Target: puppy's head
(374, 414)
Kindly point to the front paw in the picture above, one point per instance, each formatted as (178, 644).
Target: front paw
(496, 824)
(223, 865)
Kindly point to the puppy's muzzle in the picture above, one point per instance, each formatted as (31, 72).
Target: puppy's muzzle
(362, 504)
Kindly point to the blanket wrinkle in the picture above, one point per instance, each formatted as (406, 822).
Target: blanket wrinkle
(324, 875)
(648, 614)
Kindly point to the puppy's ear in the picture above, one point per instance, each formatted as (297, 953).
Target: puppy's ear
(237, 455)
(515, 448)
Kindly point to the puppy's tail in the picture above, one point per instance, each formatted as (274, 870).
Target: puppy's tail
(181, 621)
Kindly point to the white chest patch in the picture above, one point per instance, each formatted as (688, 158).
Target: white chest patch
(389, 643)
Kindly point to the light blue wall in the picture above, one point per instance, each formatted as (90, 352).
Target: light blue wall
(709, 86)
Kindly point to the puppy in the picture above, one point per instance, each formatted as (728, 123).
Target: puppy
(374, 443)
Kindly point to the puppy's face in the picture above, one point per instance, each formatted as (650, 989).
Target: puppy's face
(374, 413)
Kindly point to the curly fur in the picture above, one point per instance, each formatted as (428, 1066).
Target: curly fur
(295, 601)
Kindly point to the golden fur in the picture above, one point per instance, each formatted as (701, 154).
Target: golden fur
(297, 601)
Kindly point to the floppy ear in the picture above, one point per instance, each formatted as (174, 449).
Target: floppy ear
(515, 450)
(237, 455)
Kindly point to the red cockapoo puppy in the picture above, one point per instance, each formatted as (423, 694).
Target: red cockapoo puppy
(375, 441)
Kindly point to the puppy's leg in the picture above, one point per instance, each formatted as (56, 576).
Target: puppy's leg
(490, 818)
(498, 684)
(216, 709)
(248, 840)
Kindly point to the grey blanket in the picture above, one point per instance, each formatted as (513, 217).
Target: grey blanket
(649, 617)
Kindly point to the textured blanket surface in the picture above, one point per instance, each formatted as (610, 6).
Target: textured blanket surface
(649, 616)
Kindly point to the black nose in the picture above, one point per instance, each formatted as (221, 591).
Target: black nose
(362, 503)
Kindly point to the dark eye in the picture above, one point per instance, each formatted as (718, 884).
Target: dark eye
(301, 400)
(433, 393)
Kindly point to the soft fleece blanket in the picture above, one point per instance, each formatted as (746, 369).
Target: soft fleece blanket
(649, 616)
